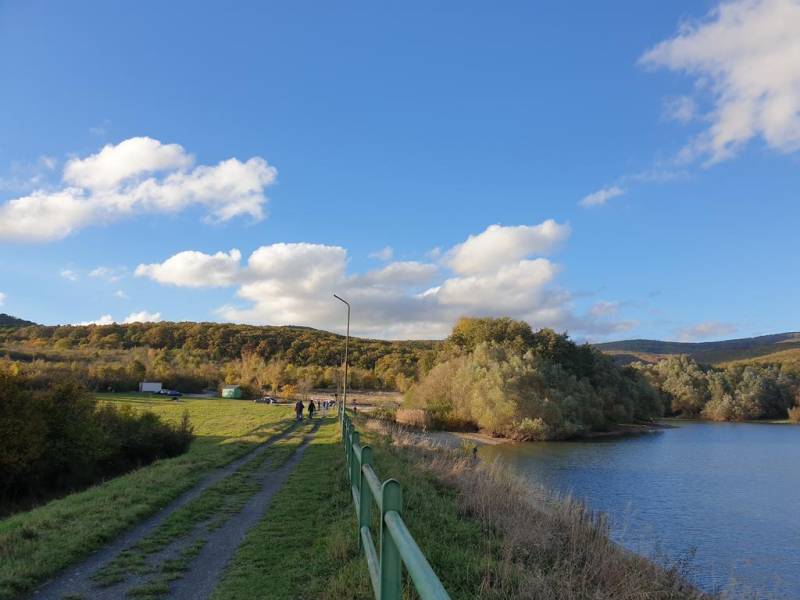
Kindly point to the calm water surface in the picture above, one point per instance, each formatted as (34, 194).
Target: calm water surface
(728, 492)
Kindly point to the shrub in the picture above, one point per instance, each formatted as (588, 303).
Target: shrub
(60, 440)
(413, 417)
(794, 414)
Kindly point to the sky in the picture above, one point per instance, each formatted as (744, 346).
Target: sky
(615, 170)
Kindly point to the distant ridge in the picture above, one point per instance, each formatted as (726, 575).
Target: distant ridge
(705, 352)
(9, 321)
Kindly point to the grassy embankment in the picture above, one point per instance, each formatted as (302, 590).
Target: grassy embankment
(481, 530)
(35, 545)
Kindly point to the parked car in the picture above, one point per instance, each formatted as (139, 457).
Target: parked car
(170, 393)
(266, 400)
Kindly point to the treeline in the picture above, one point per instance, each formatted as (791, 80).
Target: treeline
(61, 440)
(500, 376)
(196, 356)
(738, 392)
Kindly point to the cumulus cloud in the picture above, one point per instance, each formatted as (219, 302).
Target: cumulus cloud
(405, 273)
(121, 295)
(600, 197)
(194, 269)
(495, 272)
(385, 253)
(498, 245)
(2, 298)
(132, 157)
(104, 320)
(135, 176)
(745, 56)
(142, 316)
(706, 330)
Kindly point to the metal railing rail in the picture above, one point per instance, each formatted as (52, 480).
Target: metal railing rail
(397, 545)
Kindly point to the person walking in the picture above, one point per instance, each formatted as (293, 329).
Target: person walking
(311, 409)
(298, 409)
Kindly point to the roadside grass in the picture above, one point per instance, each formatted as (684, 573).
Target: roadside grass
(37, 544)
(211, 509)
(306, 546)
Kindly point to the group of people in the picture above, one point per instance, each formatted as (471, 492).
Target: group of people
(299, 407)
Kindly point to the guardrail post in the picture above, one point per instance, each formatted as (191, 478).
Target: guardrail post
(365, 495)
(354, 466)
(391, 566)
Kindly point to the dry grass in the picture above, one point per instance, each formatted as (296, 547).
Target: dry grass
(552, 548)
(413, 417)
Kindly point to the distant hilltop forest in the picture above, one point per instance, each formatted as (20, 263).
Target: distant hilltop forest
(706, 352)
(306, 346)
(9, 321)
(194, 356)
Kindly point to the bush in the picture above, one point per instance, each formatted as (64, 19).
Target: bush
(553, 389)
(60, 440)
(794, 414)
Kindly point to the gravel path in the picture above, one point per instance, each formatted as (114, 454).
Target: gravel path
(202, 577)
(76, 581)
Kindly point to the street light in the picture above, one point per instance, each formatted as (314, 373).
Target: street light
(346, 343)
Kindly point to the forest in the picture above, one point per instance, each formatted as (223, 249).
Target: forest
(192, 357)
(736, 392)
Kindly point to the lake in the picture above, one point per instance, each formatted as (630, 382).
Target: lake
(727, 492)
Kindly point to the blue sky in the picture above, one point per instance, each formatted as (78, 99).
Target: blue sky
(640, 160)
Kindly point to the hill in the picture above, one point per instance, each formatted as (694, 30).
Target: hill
(191, 356)
(9, 321)
(761, 347)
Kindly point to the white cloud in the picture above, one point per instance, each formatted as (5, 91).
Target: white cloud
(121, 295)
(132, 157)
(745, 54)
(702, 331)
(497, 246)
(385, 253)
(194, 269)
(135, 176)
(104, 320)
(69, 274)
(292, 284)
(110, 274)
(142, 316)
(2, 298)
(600, 197)
(405, 273)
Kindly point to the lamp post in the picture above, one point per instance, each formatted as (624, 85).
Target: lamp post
(346, 343)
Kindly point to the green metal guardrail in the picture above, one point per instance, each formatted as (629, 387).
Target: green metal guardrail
(397, 546)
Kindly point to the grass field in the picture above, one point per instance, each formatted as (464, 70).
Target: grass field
(35, 545)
